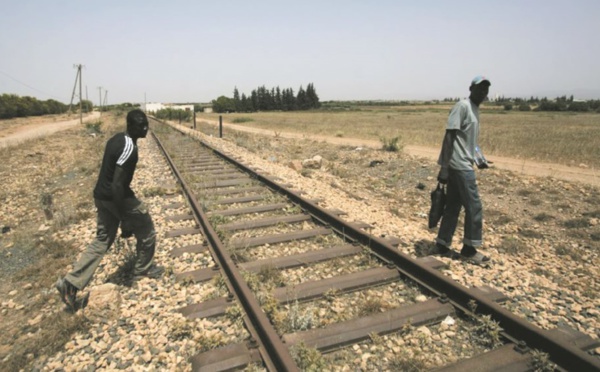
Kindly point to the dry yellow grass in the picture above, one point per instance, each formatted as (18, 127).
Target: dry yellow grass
(564, 138)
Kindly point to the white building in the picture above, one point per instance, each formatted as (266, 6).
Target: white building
(153, 107)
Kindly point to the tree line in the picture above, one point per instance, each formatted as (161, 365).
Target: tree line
(562, 103)
(13, 106)
(274, 99)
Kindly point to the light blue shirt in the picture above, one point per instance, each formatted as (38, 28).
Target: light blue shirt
(464, 117)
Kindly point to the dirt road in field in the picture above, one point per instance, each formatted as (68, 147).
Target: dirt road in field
(15, 135)
(526, 167)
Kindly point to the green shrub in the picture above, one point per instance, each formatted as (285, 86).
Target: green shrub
(241, 120)
(524, 107)
(93, 126)
(392, 145)
(579, 106)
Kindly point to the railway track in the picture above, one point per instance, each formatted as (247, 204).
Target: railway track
(303, 279)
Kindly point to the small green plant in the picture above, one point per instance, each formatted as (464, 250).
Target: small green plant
(331, 294)
(154, 191)
(298, 319)
(46, 201)
(540, 361)
(308, 358)
(543, 217)
(180, 330)
(371, 305)
(487, 331)
(375, 338)
(94, 127)
(235, 314)
(220, 285)
(339, 134)
(391, 145)
(472, 305)
(271, 277)
(407, 361)
(205, 343)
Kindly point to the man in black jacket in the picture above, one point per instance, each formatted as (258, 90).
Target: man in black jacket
(116, 204)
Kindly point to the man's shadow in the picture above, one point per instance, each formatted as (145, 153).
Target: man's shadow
(424, 248)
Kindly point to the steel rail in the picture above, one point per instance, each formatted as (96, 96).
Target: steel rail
(561, 352)
(277, 354)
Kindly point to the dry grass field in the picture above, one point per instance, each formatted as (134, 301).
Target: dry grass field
(563, 138)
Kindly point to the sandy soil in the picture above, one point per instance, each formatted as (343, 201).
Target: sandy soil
(36, 127)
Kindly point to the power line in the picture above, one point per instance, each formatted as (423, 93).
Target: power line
(28, 86)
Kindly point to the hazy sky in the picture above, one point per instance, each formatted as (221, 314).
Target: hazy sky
(195, 51)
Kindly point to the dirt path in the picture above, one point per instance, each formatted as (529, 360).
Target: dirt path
(14, 136)
(522, 166)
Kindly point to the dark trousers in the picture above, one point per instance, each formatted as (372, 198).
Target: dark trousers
(462, 191)
(137, 219)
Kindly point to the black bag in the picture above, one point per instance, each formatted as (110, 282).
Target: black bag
(438, 204)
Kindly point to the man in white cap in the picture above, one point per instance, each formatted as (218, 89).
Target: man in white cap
(460, 151)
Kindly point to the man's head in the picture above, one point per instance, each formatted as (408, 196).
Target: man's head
(137, 124)
(480, 87)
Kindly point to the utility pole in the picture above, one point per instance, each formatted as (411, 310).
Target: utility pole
(74, 86)
(105, 101)
(80, 98)
(100, 100)
(78, 77)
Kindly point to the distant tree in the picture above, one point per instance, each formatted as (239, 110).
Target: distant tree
(288, 100)
(275, 98)
(172, 114)
(312, 97)
(594, 104)
(301, 99)
(546, 105)
(246, 104)
(223, 104)
(86, 105)
(579, 106)
(278, 101)
(55, 107)
(236, 100)
(254, 100)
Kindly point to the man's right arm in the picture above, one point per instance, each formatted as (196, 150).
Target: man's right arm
(446, 155)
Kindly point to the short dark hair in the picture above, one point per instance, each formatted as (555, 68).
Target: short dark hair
(136, 117)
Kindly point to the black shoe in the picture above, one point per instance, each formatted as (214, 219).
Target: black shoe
(154, 272)
(68, 293)
(444, 251)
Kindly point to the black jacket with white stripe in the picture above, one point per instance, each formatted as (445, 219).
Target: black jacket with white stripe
(121, 151)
